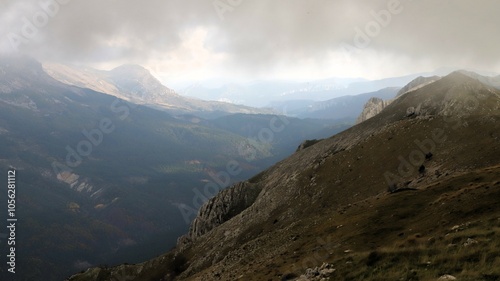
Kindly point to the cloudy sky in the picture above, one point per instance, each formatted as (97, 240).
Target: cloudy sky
(187, 40)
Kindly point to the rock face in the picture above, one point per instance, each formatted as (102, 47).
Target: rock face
(373, 107)
(221, 208)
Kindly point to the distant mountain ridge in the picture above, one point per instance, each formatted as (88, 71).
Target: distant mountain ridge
(345, 107)
(267, 93)
(261, 93)
(138, 85)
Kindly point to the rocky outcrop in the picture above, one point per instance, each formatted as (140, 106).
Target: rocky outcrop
(221, 208)
(305, 144)
(447, 277)
(318, 273)
(373, 107)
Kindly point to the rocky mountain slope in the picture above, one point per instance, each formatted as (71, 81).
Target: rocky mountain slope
(410, 194)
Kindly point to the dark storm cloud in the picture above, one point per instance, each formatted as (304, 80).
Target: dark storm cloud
(448, 32)
(256, 35)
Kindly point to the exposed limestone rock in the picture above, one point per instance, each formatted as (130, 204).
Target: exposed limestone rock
(447, 277)
(74, 181)
(68, 177)
(221, 208)
(470, 242)
(373, 107)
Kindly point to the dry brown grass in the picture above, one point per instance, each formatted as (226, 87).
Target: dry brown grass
(391, 239)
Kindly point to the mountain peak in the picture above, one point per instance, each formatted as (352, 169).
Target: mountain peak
(417, 83)
(17, 72)
(490, 81)
(20, 65)
(461, 74)
(130, 68)
(132, 71)
(461, 78)
(138, 82)
(456, 94)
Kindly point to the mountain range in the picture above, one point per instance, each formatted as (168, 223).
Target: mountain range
(408, 194)
(346, 107)
(267, 93)
(136, 84)
(112, 167)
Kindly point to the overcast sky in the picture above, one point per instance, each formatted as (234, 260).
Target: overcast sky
(184, 40)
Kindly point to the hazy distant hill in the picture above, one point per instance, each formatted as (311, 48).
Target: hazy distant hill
(265, 93)
(346, 107)
(261, 93)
